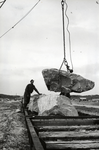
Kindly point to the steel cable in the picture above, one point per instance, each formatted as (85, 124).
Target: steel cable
(20, 19)
(68, 33)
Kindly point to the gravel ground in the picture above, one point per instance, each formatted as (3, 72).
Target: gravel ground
(13, 131)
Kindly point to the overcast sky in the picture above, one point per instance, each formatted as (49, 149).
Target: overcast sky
(36, 43)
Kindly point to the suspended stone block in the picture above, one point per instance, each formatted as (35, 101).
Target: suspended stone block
(63, 81)
(46, 105)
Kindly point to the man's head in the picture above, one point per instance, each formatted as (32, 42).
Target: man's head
(32, 81)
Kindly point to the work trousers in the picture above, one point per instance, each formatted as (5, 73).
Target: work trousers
(26, 99)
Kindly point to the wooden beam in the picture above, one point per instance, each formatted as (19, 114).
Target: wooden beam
(34, 137)
(66, 128)
(63, 122)
(72, 146)
(63, 117)
(73, 142)
(70, 135)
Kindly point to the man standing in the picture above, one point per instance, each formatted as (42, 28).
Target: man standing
(28, 90)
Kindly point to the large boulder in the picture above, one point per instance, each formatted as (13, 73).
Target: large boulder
(60, 80)
(46, 105)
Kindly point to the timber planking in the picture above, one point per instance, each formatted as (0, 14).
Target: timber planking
(59, 132)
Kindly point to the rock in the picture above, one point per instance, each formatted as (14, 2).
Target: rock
(59, 81)
(46, 105)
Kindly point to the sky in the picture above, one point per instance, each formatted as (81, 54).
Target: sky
(36, 42)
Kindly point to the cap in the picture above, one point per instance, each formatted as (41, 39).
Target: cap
(31, 80)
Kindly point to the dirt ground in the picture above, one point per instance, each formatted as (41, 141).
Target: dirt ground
(88, 107)
(13, 131)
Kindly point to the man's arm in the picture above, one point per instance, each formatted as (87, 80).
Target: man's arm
(36, 90)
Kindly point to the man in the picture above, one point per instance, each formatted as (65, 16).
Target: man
(28, 90)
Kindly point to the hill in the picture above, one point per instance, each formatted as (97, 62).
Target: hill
(9, 96)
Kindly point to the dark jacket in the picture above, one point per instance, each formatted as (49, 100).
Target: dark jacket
(30, 88)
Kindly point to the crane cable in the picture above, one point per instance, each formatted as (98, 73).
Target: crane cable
(20, 19)
(69, 35)
(2, 3)
(64, 59)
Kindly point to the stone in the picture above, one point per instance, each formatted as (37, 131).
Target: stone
(63, 81)
(46, 105)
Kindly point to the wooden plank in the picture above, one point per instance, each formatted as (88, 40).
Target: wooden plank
(35, 139)
(63, 122)
(81, 146)
(70, 135)
(63, 117)
(73, 142)
(78, 144)
(66, 128)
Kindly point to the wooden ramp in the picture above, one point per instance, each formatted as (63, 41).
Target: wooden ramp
(63, 133)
